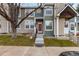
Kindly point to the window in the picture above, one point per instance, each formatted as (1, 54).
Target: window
(78, 26)
(29, 24)
(72, 26)
(66, 24)
(48, 24)
(39, 13)
(27, 11)
(48, 12)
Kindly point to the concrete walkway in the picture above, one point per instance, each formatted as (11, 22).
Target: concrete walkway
(34, 51)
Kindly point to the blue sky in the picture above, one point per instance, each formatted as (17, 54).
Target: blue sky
(75, 5)
(30, 4)
(37, 4)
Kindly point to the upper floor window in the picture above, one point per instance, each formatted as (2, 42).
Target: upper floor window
(27, 11)
(48, 12)
(39, 13)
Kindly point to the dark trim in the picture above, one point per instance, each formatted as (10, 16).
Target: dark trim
(53, 20)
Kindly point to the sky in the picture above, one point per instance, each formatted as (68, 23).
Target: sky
(75, 5)
(36, 4)
(30, 4)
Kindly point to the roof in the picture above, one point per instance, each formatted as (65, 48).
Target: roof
(66, 8)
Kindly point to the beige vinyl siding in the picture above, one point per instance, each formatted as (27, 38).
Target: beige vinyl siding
(61, 26)
(23, 28)
(4, 25)
(58, 7)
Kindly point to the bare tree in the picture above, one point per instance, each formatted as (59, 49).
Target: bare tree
(12, 15)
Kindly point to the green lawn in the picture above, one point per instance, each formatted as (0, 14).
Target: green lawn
(6, 40)
(56, 42)
(19, 41)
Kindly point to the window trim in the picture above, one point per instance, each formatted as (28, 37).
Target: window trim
(48, 29)
(73, 25)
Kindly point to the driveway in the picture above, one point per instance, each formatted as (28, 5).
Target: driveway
(34, 51)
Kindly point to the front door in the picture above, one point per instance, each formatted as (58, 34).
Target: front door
(40, 27)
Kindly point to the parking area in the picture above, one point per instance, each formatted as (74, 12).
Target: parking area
(34, 51)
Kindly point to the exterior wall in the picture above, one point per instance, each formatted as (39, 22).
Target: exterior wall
(23, 28)
(61, 26)
(58, 7)
(48, 32)
(3, 25)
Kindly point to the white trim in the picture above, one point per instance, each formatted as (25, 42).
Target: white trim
(34, 25)
(47, 10)
(75, 26)
(39, 17)
(7, 27)
(57, 26)
(65, 8)
(29, 24)
(49, 29)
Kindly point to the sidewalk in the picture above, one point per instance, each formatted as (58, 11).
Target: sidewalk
(34, 51)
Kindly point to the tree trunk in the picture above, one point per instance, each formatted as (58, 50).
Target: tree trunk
(13, 31)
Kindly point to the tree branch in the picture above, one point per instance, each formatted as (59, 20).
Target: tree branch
(2, 7)
(28, 15)
(2, 13)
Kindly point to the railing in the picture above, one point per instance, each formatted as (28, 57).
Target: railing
(74, 38)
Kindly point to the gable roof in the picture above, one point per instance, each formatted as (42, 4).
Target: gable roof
(67, 7)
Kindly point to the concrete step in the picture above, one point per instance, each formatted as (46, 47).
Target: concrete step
(39, 42)
(39, 36)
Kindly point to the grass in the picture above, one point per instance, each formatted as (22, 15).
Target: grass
(6, 40)
(56, 42)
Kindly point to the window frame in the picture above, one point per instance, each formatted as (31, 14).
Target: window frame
(29, 20)
(71, 26)
(46, 28)
(46, 9)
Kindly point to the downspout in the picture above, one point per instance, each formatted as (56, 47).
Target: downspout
(53, 20)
